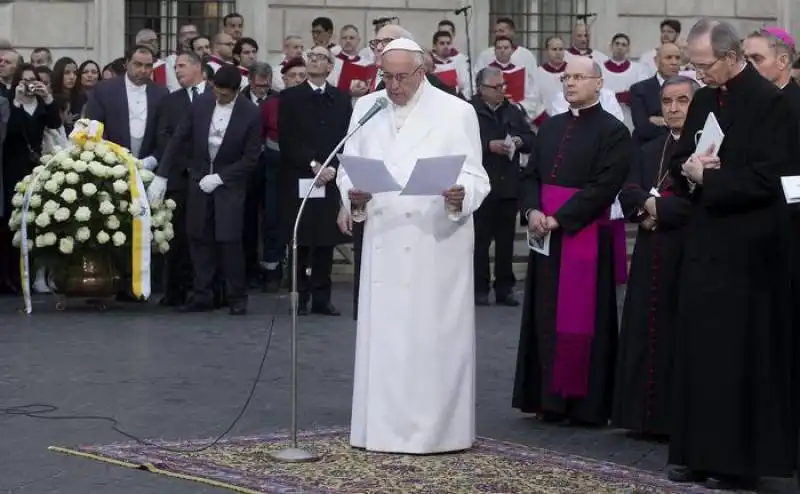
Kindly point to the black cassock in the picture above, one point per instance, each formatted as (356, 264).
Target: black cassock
(590, 153)
(644, 365)
(732, 334)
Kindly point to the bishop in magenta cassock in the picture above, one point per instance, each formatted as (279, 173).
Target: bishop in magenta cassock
(568, 335)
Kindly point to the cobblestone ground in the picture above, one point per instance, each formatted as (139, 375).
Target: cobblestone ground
(169, 375)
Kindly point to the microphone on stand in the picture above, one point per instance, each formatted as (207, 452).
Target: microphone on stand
(585, 17)
(294, 454)
(464, 10)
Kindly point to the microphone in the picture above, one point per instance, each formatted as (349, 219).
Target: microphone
(462, 10)
(585, 17)
(379, 105)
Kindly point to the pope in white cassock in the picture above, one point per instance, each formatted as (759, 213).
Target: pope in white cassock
(414, 383)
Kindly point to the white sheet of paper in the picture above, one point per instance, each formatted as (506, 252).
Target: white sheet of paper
(791, 189)
(302, 188)
(711, 135)
(539, 245)
(432, 176)
(616, 211)
(654, 192)
(368, 175)
(511, 149)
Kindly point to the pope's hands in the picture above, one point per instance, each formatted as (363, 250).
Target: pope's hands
(156, 190)
(454, 197)
(358, 198)
(209, 183)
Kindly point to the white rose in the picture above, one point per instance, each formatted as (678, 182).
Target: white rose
(146, 175)
(163, 248)
(171, 204)
(101, 149)
(67, 163)
(158, 236)
(59, 177)
(89, 145)
(72, 178)
(14, 222)
(80, 166)
(97, 169)
(37, 170)
(45, 159)
(44, 175)
(89, 189)
(103, 237)
(87, 156)
(50, 238)
(17, 240)
(112, 223)
(106, 208)
(157, 220)
(35, 201)
(40, 241)
(16, 201)
(42, 220)
(66, 245)
(83, 234)
(119, 171)
(61, 215)
(123, 205)
(21, 186)
(36, 186)
(82, 214)
(168, 216)
(120, 186)
(62, 155)
(51, 186)
(110, 158)
(69, 196)
(75, 151)
(30, 244)
(135, 209)
(50, 207)
(118, 238)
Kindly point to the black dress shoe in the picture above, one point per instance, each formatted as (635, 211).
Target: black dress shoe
(220, 298)
(238, 309)
(197, 306)
(325, 310)
(507, 299)
(302, 309)
(481, 299)
(731, 483)
(172, 300)
(685, 474)
(551, 417)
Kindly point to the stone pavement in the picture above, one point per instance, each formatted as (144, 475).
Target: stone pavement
(171, 376)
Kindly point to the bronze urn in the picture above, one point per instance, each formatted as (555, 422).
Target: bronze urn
(88, 274)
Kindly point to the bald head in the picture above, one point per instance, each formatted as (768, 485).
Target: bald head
(393, 31)
(668, 60)
(586, 65)
(580, 36)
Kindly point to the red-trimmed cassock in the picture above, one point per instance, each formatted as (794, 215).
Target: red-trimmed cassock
(453, 73)
(521, 87)
(595, 55)
(215, 63)
(349, 68)
(643, 390)
(548, 79)
(568, 335)
(619, 77)
(160, 73)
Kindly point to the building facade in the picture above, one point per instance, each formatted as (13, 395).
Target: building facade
(101, 29)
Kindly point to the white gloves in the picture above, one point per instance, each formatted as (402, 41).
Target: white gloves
(156, 190)
(209, 183)
(149, 163)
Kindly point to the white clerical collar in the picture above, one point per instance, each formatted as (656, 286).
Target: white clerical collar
(315, 87)
(576, 112)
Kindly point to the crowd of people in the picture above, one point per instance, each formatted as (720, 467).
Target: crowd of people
(574, 147)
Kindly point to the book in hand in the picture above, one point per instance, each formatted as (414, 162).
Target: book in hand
(709, 140)
(539, 245)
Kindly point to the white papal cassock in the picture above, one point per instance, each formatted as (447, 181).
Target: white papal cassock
(414, 383)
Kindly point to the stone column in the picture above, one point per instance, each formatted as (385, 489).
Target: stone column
(479, 27)
(256, 14)
(109, 32)
(605, 25)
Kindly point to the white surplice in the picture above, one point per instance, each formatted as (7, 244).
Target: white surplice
(414, 382)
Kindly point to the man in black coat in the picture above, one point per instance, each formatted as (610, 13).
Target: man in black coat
(732, 419)
(172, 110)
(313, 117)
(496, 219)
(648, 122)
(223, 130)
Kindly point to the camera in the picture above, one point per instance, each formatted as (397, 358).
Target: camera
(29, 87)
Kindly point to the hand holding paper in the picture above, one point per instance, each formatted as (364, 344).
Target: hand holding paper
(433, 175)
(368, 175)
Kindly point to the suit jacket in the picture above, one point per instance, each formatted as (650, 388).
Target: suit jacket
(435, 82)
(310, 126)
(646, 103)
(171, 111)
(236, 159)
(108, 103)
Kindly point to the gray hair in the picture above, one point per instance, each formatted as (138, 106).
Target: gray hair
(680, 79)
(774, 42)
(724, 37)
(259, 69)
(485, 73)
(597, 71)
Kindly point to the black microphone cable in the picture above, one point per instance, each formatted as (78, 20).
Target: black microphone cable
(45, 411)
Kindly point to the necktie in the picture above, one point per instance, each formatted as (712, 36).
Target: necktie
(195, 92)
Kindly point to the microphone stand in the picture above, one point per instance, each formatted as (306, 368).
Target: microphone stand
(295, 454)
(465, 12)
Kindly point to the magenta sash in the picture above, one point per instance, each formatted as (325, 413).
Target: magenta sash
(619, 246)
(577, 300)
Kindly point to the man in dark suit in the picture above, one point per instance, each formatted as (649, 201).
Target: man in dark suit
(313, 117)
(127, 106)
(171, 111)
(648, 123)
(223, 133)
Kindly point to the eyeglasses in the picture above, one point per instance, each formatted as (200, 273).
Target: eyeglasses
(705, 67)
(497, 87)
(578, 77)
(376, 43)
(399, 78)
(318, 57)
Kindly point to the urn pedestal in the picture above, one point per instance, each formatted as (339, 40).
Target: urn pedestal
(88, 275)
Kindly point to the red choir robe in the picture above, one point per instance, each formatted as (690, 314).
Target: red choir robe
(353, 69)
(619, 77)
(568, 335)
(160, 73)
(447, 72)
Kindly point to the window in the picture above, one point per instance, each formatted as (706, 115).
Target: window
(537, 20)
(165, 16)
